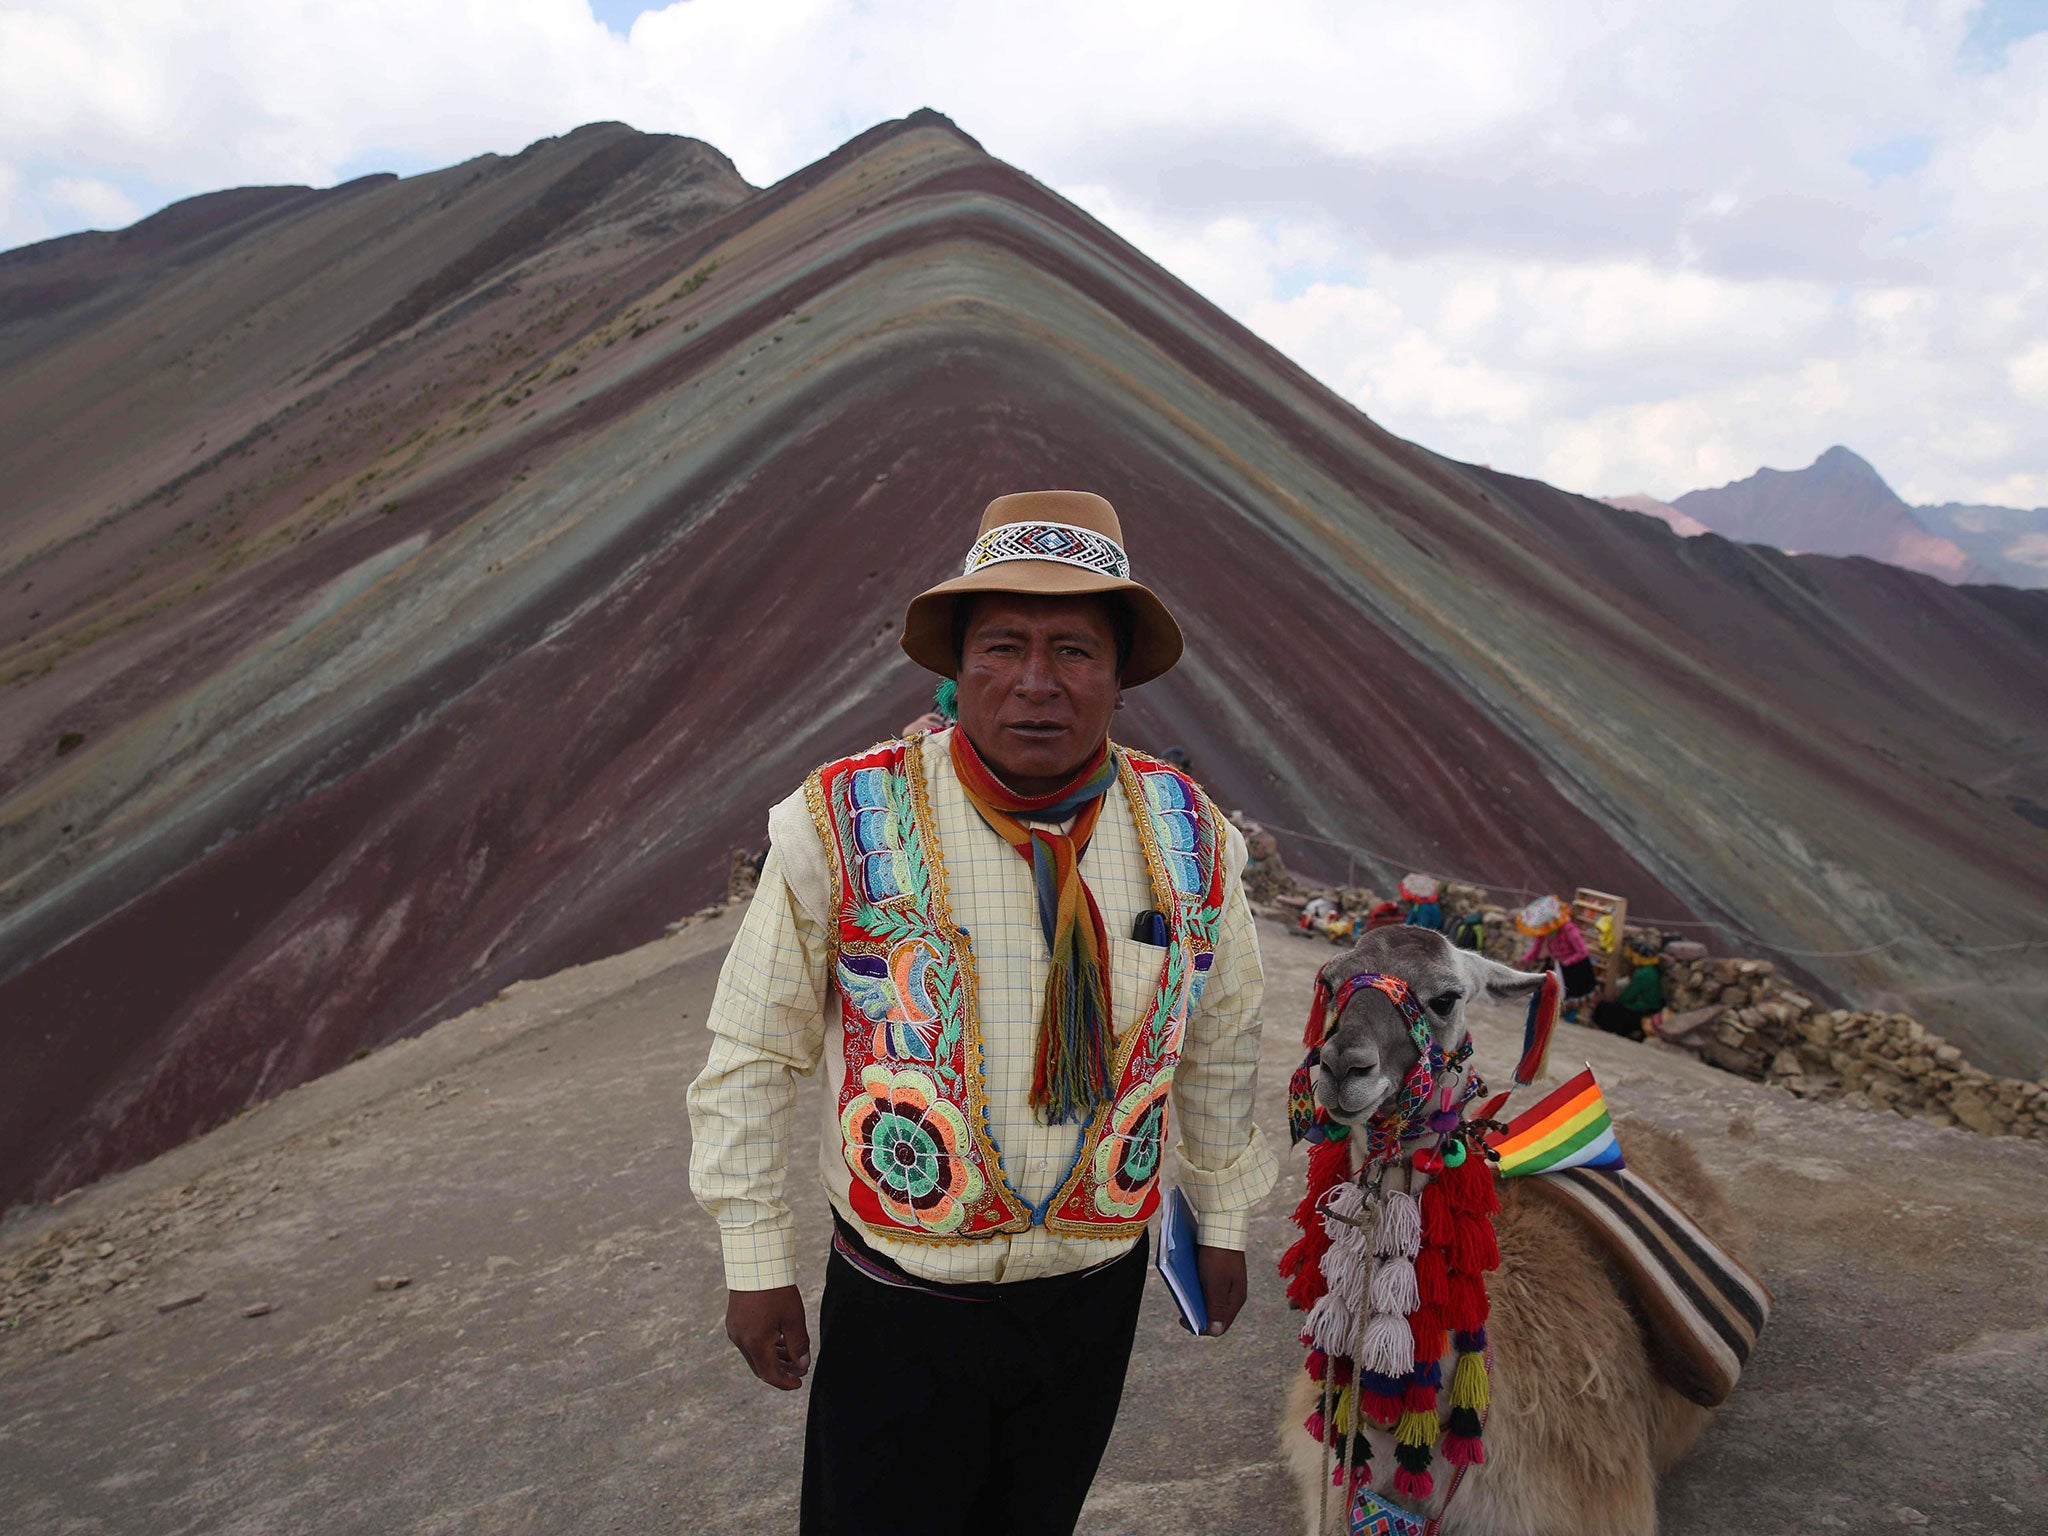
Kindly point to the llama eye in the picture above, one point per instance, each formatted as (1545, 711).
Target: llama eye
(1442, 1004)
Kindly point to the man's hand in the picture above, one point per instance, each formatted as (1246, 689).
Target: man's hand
(1223, 1285)
(768, 1327)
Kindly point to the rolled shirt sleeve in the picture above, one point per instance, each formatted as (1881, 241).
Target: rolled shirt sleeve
(767, 1024)
(1226, 1165)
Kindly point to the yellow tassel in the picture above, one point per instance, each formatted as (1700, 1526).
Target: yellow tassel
(1469, 1385)
(1344, 1417)
(1417, 1428)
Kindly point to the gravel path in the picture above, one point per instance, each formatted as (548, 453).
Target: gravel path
(487, 1304)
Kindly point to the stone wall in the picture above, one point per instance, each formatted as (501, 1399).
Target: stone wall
(1744, 1017)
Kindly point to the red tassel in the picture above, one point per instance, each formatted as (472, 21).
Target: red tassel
(1537, 1029)
(1315, 1426)
(1468, 1308)
(1437, 1215)
(1473, 1249)
(1464, 1451)
(1418, 1397)
(1414, 1485)
(1432, 1277)
(1340, 1371)
(1312, 1036)
(1306, 1288)
(1426, 1327)
(1470, 1187)
(1317, 1365)
(1329, 1164)
(1378, 1407)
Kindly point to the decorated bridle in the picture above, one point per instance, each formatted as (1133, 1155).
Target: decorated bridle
(1409, 1115)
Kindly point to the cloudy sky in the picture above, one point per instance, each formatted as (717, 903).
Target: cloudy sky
(1618, 246)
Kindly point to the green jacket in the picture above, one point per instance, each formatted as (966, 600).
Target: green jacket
(1644, 993)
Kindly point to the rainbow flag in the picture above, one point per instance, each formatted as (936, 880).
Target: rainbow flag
(1568, 1128)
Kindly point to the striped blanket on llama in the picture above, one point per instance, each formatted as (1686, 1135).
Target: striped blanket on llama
(1701, 1310)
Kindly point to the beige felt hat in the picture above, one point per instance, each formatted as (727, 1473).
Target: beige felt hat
(1054, 543)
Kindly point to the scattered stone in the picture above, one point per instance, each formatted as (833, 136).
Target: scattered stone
(91, 1333)
(1970, 1109)
(187, 1299)
(393, 1282)
(1676, 1026)
(105, 1250)
(257, 1309)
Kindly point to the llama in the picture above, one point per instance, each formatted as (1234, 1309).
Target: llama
(1580, 1426)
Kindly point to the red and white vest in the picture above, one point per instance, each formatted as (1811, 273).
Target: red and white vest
(913, 1108)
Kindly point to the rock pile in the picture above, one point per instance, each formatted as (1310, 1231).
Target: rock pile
(1744, 1017)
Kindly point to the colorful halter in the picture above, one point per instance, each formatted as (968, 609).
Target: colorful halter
(1409, 1115)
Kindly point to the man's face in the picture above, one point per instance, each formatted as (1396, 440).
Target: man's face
(1038, 683)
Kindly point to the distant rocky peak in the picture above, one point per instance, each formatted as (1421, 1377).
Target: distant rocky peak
(1840, 463)
(1837, 505)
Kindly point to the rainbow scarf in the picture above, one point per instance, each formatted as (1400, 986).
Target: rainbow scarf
(1076, 1039)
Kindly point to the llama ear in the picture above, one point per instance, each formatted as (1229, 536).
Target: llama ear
(1494, 979)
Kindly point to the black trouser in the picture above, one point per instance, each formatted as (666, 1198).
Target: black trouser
(1617, 1020)
(941, 1415)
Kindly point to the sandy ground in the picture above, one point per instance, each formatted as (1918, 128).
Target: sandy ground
(555, 1360)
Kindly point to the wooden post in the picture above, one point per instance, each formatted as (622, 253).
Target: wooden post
(1588, 907)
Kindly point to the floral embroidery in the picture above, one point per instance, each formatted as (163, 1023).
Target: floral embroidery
(1127, 1157)
(894, 994)
(910, 1146)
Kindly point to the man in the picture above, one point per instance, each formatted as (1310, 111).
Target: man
(1009, 942)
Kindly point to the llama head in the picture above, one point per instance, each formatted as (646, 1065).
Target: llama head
(1368, 1050)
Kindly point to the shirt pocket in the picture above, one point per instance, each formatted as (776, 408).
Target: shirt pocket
(1134, 972)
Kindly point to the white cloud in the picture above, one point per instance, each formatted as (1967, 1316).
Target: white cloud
(2029, 549)
(2029, 374)
(99, 203)
(1621, 246)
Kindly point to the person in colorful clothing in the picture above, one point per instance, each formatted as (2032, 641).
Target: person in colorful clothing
(1016, 947)
(1557, 940)
(1421, 904)
(1641, 999)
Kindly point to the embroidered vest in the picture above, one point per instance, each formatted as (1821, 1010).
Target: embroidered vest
(913, 1108)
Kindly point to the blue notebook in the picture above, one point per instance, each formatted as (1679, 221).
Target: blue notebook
(1176, 1262)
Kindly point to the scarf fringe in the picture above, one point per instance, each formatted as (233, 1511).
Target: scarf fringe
(1073, 1077)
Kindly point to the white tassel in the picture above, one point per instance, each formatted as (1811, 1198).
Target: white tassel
(1348, 1260)
(1398, 1231)
(1393, 1288)
(1346, 1202)
(1345, 1267)
(1389, 1347)
(1331, 1324)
